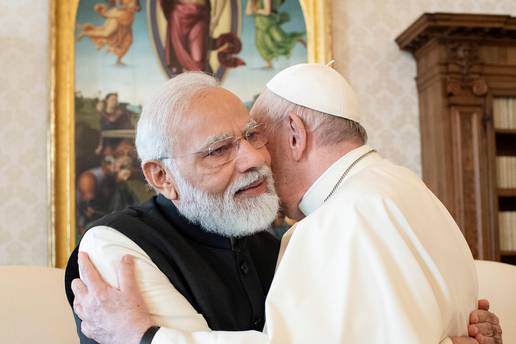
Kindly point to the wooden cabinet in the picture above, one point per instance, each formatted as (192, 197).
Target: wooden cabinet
(464, 63)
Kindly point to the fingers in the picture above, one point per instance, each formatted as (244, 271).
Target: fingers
(77, 308)
(480, 316)
(486, 333)
(80, 292)
(486, 340)
(89, 274)
(473, 330)
(485, 329)
(463, 340)
(87, 329)
(483, 304)
(126, 274)
(79, 288)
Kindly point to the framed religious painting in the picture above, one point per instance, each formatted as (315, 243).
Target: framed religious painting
(108, 56)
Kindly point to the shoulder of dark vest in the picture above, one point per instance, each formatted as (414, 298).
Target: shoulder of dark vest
(129, 222)
(121, 217)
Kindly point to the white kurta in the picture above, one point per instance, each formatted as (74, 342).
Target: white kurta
(382, 261)
(168, 307)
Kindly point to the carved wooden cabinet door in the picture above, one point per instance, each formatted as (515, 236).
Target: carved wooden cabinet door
(463, 63)
(471, 166)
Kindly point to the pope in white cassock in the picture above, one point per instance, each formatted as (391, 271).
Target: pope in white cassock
(377, 258)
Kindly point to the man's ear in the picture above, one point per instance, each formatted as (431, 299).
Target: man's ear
(297, 136)
(160, 179)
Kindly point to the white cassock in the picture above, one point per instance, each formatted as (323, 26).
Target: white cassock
(381, 261)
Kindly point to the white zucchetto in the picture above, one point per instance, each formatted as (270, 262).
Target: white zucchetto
(317, 87)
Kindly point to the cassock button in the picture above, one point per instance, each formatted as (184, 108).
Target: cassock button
(244, 267)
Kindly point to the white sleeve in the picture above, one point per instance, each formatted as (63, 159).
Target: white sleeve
(172, 336)
(356, 276)
(106, 246)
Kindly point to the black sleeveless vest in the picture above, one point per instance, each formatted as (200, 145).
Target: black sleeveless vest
(226, 280)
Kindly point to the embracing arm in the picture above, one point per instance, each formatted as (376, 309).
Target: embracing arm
(113, 315)
(167, 307)
(119, 315)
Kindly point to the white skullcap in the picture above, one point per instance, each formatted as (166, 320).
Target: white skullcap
(317, 87)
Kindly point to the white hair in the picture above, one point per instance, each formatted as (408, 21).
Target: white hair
(224, 214)
(163, 112)
(330, 129)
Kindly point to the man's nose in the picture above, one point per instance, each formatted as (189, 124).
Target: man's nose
(249, 157)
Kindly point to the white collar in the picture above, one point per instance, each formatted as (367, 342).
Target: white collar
(321, 188)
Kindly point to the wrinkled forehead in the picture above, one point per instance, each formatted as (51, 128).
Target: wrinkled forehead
(214, 114)
(222, 135)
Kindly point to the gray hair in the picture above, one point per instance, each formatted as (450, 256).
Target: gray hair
(330, 129)
(163, 112)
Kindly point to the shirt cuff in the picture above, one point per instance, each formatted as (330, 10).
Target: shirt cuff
(149, 335)
(446, 340)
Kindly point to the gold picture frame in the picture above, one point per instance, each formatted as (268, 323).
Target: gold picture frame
(62, 135)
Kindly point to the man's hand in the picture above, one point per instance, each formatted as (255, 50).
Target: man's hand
(484, 327)
(110, 315)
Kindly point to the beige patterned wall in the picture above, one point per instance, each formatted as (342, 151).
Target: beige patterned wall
(23, 132)
(383, 76)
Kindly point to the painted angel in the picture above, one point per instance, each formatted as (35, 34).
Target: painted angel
(116, 34)
(271, 40)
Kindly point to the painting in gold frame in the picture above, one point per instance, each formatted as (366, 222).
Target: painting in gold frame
(65, 29)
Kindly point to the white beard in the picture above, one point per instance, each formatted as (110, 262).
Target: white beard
(223, 214)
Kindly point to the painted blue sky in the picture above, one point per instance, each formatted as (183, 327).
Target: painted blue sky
(250, 80)
(97, 74)
(133, 82)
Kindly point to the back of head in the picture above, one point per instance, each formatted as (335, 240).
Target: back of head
(163, 112)
(320, 96)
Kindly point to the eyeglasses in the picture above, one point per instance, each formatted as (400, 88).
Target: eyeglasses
(224, 150)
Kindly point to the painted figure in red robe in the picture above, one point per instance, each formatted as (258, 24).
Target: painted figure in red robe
(188, 41)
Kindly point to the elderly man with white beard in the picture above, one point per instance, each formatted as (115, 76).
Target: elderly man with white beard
(202, 253)
(363, 266)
